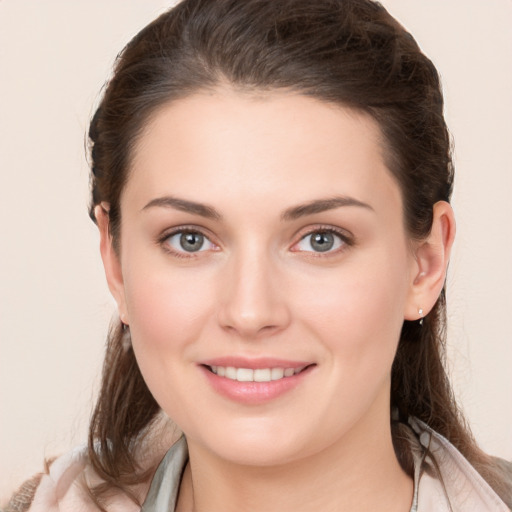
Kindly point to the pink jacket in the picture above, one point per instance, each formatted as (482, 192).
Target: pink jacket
(444, 481)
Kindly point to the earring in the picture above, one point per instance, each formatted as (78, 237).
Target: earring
(420, 312)
(126, 339)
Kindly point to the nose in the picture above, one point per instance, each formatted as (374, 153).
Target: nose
(253, 301)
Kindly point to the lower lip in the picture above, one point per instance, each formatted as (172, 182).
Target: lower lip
(254, 393)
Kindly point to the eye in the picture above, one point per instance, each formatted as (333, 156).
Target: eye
(188, 242)
(321, 241)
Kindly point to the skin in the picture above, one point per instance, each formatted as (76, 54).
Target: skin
(259, 288)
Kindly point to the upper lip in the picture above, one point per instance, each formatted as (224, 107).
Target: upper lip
(255, 363)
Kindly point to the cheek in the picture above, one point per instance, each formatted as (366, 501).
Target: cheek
(167, 308)
(358, 310)
(168, 313)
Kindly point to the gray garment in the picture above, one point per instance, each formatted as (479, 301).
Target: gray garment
(444, 481)
(164, 488)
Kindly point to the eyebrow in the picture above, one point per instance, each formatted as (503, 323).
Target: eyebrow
(293, 213)
(183, 205)
(322, 205)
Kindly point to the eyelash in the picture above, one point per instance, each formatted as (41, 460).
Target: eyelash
(346, 241)
(192, 230)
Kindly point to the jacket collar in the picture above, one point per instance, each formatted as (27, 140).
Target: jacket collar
(444, 480)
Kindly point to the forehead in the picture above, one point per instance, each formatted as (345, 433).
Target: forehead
(284, 144)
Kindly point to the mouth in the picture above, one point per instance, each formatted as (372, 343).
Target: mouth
(255, 375)
(255, 381)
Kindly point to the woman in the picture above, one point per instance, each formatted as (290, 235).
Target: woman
(271, 181)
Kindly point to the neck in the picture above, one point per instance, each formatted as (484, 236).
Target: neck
(359, 473)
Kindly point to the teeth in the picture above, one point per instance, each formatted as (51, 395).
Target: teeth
(244, 375)
(230, 372)
(277, 373)
(262, 375)
(258, 375)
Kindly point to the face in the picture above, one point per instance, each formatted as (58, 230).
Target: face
(265, 273)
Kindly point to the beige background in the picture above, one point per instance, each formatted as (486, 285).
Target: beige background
(54, 305)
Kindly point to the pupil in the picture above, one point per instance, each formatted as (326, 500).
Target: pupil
(191, 242)
(322, 242)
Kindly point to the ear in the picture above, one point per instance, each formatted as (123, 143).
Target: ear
(431, 262)
(111, 263)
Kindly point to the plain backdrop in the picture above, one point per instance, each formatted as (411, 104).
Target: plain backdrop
(54, 305)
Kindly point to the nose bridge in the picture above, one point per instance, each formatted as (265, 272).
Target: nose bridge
(252, 302)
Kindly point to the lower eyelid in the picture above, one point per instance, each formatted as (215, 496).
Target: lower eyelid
(344, 240)
(163, 240)
(337, 244)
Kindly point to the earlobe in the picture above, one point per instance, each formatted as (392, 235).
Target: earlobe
(431, 262)
(111, 263)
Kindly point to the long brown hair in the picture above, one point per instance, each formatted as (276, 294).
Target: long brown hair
(348, 52)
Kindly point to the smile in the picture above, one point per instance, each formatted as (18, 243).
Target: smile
(255, 381)
(256, 375)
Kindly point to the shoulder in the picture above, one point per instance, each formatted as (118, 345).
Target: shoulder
(504, 469)
(22, 498)
(63, 487)
(447, 479)
(65, 484)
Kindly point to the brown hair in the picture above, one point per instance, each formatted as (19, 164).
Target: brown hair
(349, 52)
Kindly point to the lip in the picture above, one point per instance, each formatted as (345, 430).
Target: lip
(254, 393)
(255, 363)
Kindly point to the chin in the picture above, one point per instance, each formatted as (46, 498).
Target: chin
(260, 443)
